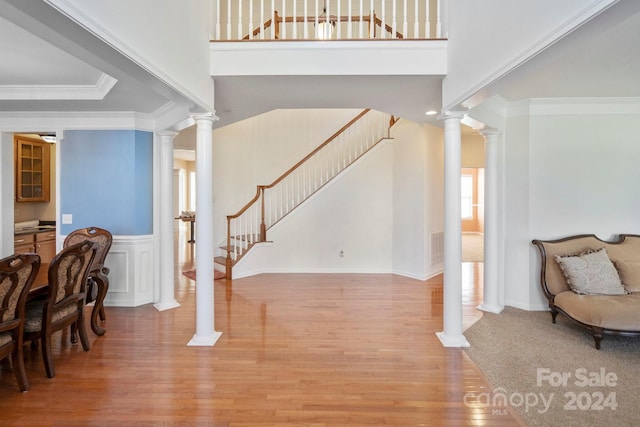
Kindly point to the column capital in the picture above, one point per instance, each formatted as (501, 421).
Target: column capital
(167, 133)
(451, 115)
(489, 131)
(211, 116)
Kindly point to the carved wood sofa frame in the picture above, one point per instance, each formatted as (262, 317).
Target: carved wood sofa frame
(549, 248)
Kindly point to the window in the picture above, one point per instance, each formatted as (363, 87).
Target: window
(192, 191)
(467, 196)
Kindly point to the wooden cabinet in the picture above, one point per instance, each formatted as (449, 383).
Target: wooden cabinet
(32, 165)
(43, 243)
(24, 243)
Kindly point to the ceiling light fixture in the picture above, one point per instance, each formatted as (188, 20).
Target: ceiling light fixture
(431, 113)
(324, 30)
(48, 138)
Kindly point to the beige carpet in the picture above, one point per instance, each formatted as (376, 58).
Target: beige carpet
(472, 247)
(524, 354)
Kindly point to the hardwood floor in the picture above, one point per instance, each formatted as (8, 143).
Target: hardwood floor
(296, 349)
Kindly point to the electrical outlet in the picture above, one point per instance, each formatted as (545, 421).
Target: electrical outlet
(341, 253)
(67, 218)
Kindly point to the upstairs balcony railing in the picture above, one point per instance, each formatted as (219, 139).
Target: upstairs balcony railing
(327, 19)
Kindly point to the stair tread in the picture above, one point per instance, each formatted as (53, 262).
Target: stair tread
(220, 260)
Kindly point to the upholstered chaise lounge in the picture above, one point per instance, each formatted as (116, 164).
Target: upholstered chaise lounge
(593, 282)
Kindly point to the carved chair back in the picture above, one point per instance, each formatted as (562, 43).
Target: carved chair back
(17, 273)
(101, 237)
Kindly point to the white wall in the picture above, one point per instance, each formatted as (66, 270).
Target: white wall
(417, 197)
(169, 38)
(497, 35)
(568, 172)
(516, 210)
(353, 214)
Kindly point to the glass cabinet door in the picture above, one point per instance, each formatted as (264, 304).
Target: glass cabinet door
(32, 170)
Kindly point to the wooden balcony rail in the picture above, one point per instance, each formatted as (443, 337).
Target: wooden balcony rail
(278, 21)
(275, 201)
(348, 19)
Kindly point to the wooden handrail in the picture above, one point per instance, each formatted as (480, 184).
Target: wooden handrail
(313, 19)
(324, 144)
(247, 206)
(261, 188)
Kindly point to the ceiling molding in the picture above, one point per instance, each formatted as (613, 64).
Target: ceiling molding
(96, 91)
(21, 121)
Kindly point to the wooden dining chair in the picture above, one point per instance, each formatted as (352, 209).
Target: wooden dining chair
(64, 304)
(98, 282)
(17, 273)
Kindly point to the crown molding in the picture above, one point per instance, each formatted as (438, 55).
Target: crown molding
(22, 121)
(96, 91)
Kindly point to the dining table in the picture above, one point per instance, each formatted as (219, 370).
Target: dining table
(40, 287)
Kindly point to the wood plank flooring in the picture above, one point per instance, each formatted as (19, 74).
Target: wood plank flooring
(296, 349)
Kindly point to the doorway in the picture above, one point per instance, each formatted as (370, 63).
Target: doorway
(472, 214)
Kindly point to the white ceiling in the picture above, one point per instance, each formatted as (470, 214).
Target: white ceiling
(600, 59)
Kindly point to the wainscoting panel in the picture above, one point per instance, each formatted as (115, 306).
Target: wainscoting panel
(130, 262)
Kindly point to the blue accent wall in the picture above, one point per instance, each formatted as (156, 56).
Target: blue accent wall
(106, 180)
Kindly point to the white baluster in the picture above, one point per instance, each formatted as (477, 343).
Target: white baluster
(261, 19)
(283, 196)
(283, 27)
(416, 24)
(438, 22)
(250, 20)
(234, 241)
(350, 26)
(239, 19)
(306, 14)
(295, 24)
(316, 25)
(218, 19)
(383, 30)
(427, 27)
(393, 22)
(228, 19)
(361, 23)
(405, 23)
(339, 32)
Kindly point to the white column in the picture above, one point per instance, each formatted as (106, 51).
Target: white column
(451, 336)
(205, 317)
(7, 196)
(490, 301)
(167, 285)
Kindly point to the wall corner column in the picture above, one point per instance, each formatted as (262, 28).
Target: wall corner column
(206, 334)
(491, 300)
(167, 298)
(452, 336)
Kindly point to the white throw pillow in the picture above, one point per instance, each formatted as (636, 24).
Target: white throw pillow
(591, 273)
